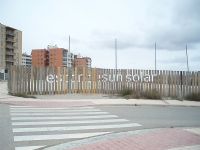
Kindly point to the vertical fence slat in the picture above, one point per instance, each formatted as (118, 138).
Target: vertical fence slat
(34, 80)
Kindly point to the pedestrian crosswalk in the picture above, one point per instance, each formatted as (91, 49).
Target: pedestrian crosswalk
(36, 127)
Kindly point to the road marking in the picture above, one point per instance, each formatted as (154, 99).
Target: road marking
(193, 147)
(29, 125)
(43, 108)
(28, 147)
(19, 106)
(193, 130)
(72, 128)
(57, 114)
(52, 110)
(56, 136)
(69, 117)
(69, 122)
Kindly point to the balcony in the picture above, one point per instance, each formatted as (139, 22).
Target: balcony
(11, 33)
(8, 64)
(10, 40)
(9, 60)
(9, 46)
(10, 53)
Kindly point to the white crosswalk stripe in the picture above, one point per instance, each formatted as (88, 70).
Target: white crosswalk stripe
(63, 117)
(56, 136)
(68, 122)
(52, 110)
(58, 114)
(35, 127)
(71, 128)
(48, 108)
(28, 147)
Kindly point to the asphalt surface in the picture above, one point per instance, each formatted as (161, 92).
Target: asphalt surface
(147, 116)
(158, 116)
(6, 135)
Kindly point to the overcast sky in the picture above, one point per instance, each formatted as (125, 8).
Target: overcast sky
(94, 24)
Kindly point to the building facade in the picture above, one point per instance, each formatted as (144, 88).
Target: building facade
(10, 47)
(26, 60)
(40, 57)
(52, 56)
(70, 59)
(82, 62)
(60, 57)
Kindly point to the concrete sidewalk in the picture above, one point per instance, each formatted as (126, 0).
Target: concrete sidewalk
(149, 139)
(92, 102)
(84, 100)
(4, 90)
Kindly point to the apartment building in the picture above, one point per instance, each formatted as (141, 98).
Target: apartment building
(40, 57)
(52, 56)
(10, 47)
(26, 60)
(70, 59)
(82, 61)
(60, 57)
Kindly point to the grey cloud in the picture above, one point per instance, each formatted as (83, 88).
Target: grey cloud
(170, 39)
(181, 60)
(175, 37)
(106, 40)
(196, 59)
(122, 44)
(187, 10)
(181, 27)
(184, 25)
(72, 39)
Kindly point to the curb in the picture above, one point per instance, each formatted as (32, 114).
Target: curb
(111, 136)
(9, 102)
(94, 139)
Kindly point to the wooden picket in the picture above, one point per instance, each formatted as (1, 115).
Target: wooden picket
(51, 80)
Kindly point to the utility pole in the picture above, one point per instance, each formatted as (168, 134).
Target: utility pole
(69, 43)
(188, 74)
(186, 51)
(155, 58)
(116, 54)
(116, 65)
(69, 72)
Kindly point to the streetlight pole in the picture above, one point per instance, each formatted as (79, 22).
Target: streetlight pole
(155, 58)
(116, 54)
(186, 51)
(69, 43)
(116, 65)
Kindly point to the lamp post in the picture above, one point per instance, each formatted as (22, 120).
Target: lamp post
(155, 57)
(69, 43)
(186, 52)
(116, 54)
(116, 65)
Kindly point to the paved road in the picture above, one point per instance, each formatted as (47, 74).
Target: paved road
(6, 135)
(33, 127)
(158, 116)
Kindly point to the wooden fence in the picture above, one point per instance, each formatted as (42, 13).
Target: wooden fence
(50, 80)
